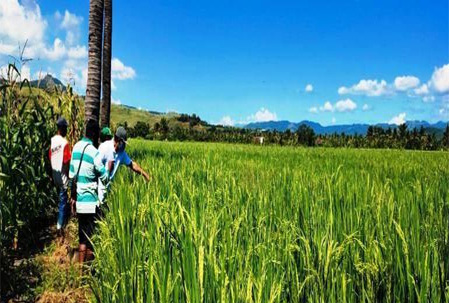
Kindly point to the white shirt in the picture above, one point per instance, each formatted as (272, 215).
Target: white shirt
(108, 153)
(59, 154)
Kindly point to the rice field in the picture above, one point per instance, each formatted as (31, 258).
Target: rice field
(238, 223)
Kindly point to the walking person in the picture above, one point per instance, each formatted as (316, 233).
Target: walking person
(60, 155)
(86, 169)
(113, 154)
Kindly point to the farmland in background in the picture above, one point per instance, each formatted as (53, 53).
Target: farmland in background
(240, 223)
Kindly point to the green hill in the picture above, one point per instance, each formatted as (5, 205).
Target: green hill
(131, 115)
(122, 113)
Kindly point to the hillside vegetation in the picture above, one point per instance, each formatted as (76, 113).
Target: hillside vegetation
(131, 115)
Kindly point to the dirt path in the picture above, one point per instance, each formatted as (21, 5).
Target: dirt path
(61, 275)
(52, 273)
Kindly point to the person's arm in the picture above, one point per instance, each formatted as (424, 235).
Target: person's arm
(67, 155)
(134, 166)
(137, 169)
(101, 170)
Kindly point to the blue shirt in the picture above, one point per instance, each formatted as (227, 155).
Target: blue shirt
(108, 153)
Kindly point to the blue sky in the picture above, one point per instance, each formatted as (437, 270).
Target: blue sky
(238, 61)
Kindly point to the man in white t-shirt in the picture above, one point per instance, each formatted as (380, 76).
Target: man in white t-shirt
(60, 155)
(113, 154)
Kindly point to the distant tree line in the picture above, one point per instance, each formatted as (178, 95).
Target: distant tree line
(376, 137)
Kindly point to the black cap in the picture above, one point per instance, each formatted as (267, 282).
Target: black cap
(62, 122)
(120, 133)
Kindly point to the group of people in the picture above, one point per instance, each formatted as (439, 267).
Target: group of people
(88, 172)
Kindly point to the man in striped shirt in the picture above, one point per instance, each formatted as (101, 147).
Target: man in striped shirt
(86, 168)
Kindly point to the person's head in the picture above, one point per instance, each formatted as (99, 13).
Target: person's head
(92, 131)
(105, 134)
(120, 139)
(62, 126)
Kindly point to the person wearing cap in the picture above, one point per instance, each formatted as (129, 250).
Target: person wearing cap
(113, 154)
(60, 155)
(105, 134)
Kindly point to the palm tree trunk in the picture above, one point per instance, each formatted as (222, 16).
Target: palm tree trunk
(93, 87)
(107, 50)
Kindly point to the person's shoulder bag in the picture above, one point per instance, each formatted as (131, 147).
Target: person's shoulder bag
(75, 181)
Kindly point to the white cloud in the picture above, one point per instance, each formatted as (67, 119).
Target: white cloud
(366, 107)
(69, 76)
(58, 15)
(334, 120)
(39, 75)
(25, 73)
(440, 80)
(226, 121)
(346, 105)
(70, 20)
(113, 87)
(60, 51)
(327, 107)
(399, 119)
(422, 90)
(20, 22)
(262, 115)
(370, 88)
(74, 72)
(84, 76)
(428, 99)
(116, 101)
(57, 52)
(309, 88)
(120, 71)
(77, 52)
(313, 110)
(71, 23)
(7, 49)
(404, 83)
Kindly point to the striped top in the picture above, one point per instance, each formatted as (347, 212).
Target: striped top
(91, 170)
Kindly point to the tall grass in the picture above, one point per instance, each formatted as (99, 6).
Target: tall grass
(232, 223)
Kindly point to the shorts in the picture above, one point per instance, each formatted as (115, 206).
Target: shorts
(86, 228)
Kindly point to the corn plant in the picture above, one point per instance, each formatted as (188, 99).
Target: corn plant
(26, 192)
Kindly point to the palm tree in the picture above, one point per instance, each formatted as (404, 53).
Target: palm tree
(107, 49)
(93, 87)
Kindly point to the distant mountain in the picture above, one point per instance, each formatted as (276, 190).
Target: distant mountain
(349, 129)
(48, 83)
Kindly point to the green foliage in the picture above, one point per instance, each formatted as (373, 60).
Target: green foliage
(306, 135)
(236, 223)
(25, 126)
(376, 137)
(193, 120)
(26, 193)
(71, 107)
(141, 129)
